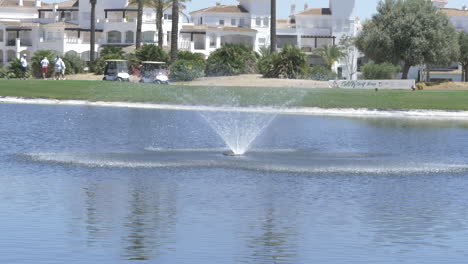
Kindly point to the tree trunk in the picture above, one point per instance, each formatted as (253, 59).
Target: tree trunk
(175, 29)
(139, 24)
(466, 73)
(159, 22)
(428, 74)
(406, 69)
(273, 26)
(92, 42)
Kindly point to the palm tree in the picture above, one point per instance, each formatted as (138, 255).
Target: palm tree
(160, 6)
(92, 42)
(175, 29)
(139, 23)
(330, 54)
(273, 26)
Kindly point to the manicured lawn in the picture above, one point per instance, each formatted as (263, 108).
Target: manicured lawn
(261, 96)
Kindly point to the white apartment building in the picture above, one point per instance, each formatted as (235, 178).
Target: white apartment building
(30, 25)
(249, 23)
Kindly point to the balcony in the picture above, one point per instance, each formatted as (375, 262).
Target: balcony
(24, 42)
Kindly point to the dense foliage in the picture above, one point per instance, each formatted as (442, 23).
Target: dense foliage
(16, 70)
(383, 71)
(330, 54)
(36, 62)
(150, 52)
(187, 55)
(410, 31)
(73, 63)
(231, 59)
(290, 63)
(106, 50)
(320, 73)
(463, 55)
(187, 70)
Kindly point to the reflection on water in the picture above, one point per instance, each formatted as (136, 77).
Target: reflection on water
(368, 190)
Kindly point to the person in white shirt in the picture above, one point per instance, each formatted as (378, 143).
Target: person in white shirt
(45, 67)
(63, 70)
(24, 66)
(58, 67)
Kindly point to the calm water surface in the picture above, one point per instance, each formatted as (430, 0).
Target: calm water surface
(112, 185)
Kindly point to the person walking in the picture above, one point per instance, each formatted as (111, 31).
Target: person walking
(24, 67)
(45, 68)
(63, 69)
(58, 68)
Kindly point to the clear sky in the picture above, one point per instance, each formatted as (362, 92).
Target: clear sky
(364, 8)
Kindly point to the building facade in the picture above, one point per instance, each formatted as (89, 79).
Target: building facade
(30, 25)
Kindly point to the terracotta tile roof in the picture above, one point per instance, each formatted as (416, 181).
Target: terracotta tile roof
(451, 12)
(26, 3)
(203, 28)
(222, 9)
(282, 21)
(315, 12)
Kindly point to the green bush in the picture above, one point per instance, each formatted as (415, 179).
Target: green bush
(106, 50)
(290, 63)
(98, 66)
(320, 73)
(187, 70)
(16, 70)
(150, 52)
(187, 55)
(73, 64)
(36, 62)
(384, 71)
(231, 59)
(3, 72)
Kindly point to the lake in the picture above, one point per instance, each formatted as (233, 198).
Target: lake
(82, 184)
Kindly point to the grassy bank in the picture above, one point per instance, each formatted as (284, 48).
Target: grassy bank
(325, 98)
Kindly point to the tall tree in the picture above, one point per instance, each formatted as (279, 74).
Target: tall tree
(139, 23)
(175, 29)
(92, 42)
(463, 57)
(273, 26)
(411, 32)
(330, 54)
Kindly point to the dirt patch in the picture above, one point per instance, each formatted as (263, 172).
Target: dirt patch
(448, 86)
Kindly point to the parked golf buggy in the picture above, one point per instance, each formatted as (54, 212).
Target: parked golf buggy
(116, 70)
(154, 72)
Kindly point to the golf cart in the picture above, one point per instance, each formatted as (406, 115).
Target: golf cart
(154, 72)
(116, 70)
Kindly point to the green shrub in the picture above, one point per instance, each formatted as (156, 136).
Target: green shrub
(290, 63)
(187, 70)
(106, 50)
(231, 59)
(98, 66)
(320, 73)
(73, 64)
(150, 52)
(384, 71)
(16, 70)
(36, 62)
(3, 72)
(187, 55)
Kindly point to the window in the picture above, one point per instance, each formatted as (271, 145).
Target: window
(242, 22)
(167, 17)
(266, 22)
(221, 22)
(212, 41)
(148, 36)
(233, 22)
(1, 35)
(114, 37)
(129, 37)
(1, 57)
(200, 21)
(258, 22)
